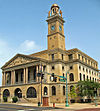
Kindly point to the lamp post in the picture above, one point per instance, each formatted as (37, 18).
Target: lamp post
(67, 105)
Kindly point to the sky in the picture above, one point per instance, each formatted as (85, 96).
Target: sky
(23, 27)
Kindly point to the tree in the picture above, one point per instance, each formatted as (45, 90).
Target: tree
(73, 94)
(87, 88)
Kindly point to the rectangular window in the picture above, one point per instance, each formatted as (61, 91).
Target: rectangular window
(62, 67)
(16, 77)
(71, 67)
(21, 76)
(52, 56)
(28, 75)
(80, 77)
(62, 56)
(78, 56)
(70, 57)
(53, 67)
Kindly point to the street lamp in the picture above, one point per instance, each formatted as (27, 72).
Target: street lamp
(67, 105)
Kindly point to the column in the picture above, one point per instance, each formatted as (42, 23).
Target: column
(14, 77)
(11, 77)
(24, 75)
(4, 83)
(27, 75)
(2, 78)
(37, 73)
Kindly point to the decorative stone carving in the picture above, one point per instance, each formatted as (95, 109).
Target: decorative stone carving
(18, 61)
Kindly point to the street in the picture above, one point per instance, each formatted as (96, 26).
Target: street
(11, 107)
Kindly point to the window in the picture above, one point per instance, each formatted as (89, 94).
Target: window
(71, 77)
(31, 92)
(52, 56)
(82, 58)
(86, 60)
(79, 67)
(78, 56)
(70, 57)
(53, 67)
(21, 76)
(16, 77)
(89, 62)
(71, 67)
(84, 77)
(90, 78)
(80, 77)
(87, 78)
(62, 67)
(87, 70)
(93, 79)
(53, 90)
(83, 68)
(28, 75)
(6, 93)
(63, 90)
(62, 56)
(45, 91)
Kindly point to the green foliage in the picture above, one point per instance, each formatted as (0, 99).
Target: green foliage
(72, 93)
(5, 99)
(87, 88)
(15, 99)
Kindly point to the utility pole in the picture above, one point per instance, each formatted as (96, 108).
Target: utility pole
(67, 105)
(41, 82)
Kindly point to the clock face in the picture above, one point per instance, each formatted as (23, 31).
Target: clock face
(60, 28)
(52, 27)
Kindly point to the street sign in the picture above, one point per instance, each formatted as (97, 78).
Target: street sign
(62, 80)
(62, 77)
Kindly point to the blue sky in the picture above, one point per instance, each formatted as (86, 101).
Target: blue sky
(23, 28)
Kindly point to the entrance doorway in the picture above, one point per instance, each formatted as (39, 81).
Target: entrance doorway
(45, 101)
(18, 93)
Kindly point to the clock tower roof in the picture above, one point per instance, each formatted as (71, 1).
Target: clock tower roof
(54, 5)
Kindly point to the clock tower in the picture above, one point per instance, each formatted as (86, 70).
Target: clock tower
(56, 38)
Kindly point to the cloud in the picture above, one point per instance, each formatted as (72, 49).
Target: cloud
(7, 51)
(28, 46)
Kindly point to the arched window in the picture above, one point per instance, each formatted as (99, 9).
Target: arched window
(31, 92)
(45, 91)
(71, 77)
(80, 77)
(71, 88)
(63, 90)
(18, 93)
(6, 93)
(53, 90)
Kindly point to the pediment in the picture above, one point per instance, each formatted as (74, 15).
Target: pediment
(18, 60)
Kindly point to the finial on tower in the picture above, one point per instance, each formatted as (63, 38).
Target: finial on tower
(54, 10)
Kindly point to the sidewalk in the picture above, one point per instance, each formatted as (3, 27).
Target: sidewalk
(74, 106)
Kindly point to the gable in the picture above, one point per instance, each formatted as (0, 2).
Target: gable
(18, 60)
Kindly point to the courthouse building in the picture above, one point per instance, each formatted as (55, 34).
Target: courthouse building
(20, 74)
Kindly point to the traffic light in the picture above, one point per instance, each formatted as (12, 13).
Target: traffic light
(42, 76)
(52, 75)
(55, 79)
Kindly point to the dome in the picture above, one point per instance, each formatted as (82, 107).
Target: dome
(54, 5)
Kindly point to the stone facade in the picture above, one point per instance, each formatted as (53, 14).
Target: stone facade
(20, 74)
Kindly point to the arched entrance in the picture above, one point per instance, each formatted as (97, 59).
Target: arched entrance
(6, 93)
(31, 92)
(18, 93)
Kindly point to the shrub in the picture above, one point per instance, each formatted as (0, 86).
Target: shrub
(5, 99)
(14, 99)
